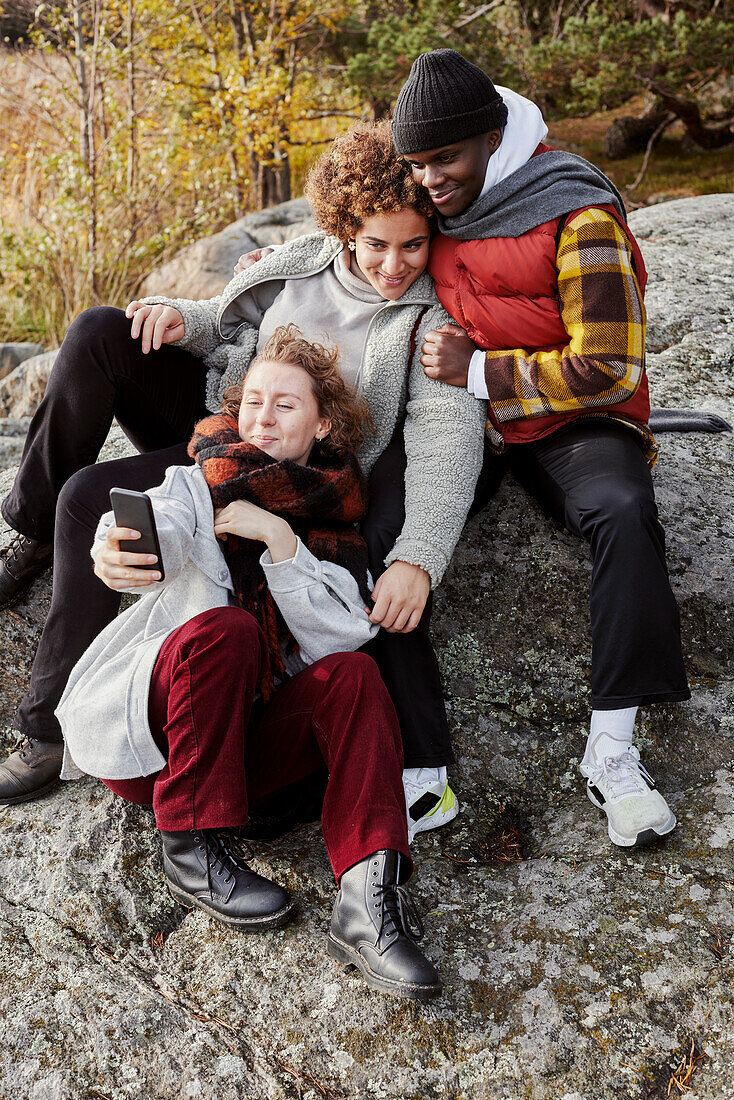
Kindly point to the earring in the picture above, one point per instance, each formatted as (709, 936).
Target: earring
(351, 246)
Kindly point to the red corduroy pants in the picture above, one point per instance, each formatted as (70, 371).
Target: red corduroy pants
(221, 755)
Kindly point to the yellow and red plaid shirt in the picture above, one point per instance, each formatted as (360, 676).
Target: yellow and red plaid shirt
(604, 314)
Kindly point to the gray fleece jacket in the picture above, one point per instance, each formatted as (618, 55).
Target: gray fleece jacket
(108, 687)
(444, 425)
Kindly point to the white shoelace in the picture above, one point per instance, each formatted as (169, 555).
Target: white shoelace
(624, 774)
(416, 780)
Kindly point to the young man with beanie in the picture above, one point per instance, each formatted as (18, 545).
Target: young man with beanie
(536, 263)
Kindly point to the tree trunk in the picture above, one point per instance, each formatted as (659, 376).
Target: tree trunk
(628, 135)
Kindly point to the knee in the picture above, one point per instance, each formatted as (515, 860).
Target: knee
(84, 498)
(230, 628)
(358, 669)
(620, 506)
(94, 324)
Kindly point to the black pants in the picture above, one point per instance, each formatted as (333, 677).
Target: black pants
(100, 373)
(593, 478)
(407, 662)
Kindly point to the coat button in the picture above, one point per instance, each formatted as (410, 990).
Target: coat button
(222, 574)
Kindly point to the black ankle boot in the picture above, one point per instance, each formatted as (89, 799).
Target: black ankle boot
(371, 929)
(20, 564)
(204, 869)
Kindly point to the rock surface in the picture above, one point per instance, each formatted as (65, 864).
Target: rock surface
(203, 269)
(12, 355)
(581, 972)
(23, 388)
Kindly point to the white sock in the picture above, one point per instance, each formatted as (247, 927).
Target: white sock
(610, 734)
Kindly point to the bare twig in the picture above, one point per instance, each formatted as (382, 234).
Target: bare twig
(654, 139)
(485, 9)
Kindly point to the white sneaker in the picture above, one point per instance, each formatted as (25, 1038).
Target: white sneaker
(620, 786)
(429, 800)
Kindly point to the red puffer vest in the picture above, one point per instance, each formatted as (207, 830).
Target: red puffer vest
(504, 292)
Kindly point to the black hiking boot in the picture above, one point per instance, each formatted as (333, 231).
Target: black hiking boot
(374, 926)
(20, 564)
(204, 869)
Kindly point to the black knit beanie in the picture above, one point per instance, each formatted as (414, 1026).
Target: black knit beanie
(445, 99)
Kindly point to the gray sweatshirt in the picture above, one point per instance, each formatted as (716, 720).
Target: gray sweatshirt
(104, 710)
(444, 425)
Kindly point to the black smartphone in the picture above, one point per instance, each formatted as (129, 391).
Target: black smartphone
(136, 511)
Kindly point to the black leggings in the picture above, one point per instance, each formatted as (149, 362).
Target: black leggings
(100, 373)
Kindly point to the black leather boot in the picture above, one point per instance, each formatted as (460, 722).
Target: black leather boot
(20, 564)
(371, 929)
(32, 770)
(204, 869)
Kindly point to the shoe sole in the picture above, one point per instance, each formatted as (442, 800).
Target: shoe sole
(241, 924)
(352, 960)
(647, 836)
(434, 820)
(30, 796)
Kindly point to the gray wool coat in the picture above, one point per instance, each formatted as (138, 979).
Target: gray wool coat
(444, 425)
(103, 712)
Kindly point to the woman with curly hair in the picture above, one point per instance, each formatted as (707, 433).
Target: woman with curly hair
(234, 676)
(360, 282)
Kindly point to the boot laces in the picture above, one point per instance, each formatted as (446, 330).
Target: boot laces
(15, 548)
(624, 774)
(399, 914)
(24, 746)
(220, 861)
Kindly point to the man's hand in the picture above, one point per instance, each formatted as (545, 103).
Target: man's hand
(400, 596)
(447, 352)
(155, 325)
(119, 569)
(250, 258)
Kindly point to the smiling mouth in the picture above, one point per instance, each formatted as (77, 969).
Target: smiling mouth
(439, 197)
(391, 280)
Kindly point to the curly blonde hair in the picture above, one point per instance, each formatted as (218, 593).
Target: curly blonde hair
(360, 175)
(343, 406)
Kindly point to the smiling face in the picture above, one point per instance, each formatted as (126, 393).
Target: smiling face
(392, 250)
(279, 412)
(454, 174)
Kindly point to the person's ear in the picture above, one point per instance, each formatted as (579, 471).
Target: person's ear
(494, 140)
(324, 428)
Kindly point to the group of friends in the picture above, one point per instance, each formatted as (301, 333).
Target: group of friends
(313, 441)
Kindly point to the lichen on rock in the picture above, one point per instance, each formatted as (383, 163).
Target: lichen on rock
(576, 972)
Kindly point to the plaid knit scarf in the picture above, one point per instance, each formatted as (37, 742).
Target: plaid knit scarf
(321, 502)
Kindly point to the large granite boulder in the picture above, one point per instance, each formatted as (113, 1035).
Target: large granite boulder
(22, 389)
(578, 972)
(12, 355)
(203, 269)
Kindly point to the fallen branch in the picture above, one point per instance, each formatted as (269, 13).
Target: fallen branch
(708, 137)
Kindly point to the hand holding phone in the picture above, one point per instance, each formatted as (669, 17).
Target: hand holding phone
(131, 556)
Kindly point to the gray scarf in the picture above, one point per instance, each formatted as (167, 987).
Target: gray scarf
(548, 186)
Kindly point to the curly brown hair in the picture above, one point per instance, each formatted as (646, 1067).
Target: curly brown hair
(360, 175)
(343, 406)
